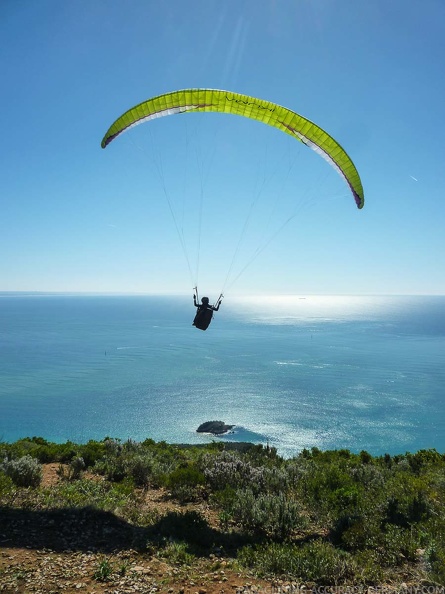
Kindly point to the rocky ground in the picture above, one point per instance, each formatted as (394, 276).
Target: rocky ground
(48, 571)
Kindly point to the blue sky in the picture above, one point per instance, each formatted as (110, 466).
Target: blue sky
(75, 217)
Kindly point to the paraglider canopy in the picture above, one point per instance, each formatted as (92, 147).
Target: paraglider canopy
(197, 100)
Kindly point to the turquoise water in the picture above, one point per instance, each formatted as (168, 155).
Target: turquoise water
(332, 372)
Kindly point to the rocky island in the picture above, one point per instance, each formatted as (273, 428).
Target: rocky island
(214, 427)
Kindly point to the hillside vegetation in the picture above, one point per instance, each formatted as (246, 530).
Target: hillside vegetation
(321, 518)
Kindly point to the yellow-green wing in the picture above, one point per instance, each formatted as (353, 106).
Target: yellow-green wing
(195, 100)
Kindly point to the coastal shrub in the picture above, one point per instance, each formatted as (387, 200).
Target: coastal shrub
(391, 546)
(44, 451)
(147, 468)
(140, 468)
(91, 452)
(275, 479)
(131, 445)
(269, 514)
(24, 472)
(82, 493)
(397, 546)
(77, 466)
(227, 469)
(185, 483)
(224, 500)
(52, 452)
(224, 519)
(369, 476)
(368, 569)
(114, 468)
(423, 459)
(6, 486)
(344, 498)
(330, 493)
(317, 562)
(131, 460)
(435, 557)
(296, 470)
(113, 447)
(73, 470)
(167, 457)
(406, 508)
(356, 533)
(365, 457)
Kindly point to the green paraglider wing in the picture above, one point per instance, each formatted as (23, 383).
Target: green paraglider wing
(196, 100)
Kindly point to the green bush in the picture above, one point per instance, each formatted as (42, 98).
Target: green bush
(435, 557)
(276, 516)
(144, 464)
(24, 472)
(113, 468)
(397, 546)
(421, 460)
(368, 568)
(73, 471)
(370, 478)
(184, 483)
(44, 451)
(140, 468)
(6, 486)
(226, 469)
(356, 533)
(407, 508)
(91, 452)
(82, 493)
(317, 562)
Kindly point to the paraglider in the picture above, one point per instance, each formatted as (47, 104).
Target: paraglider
(205, 311)
(272, 114)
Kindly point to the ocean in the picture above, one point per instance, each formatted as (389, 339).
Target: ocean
(362, 373)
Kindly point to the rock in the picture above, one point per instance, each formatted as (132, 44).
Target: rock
(214, 427)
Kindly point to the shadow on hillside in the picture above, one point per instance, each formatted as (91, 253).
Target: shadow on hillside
(90, 529)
